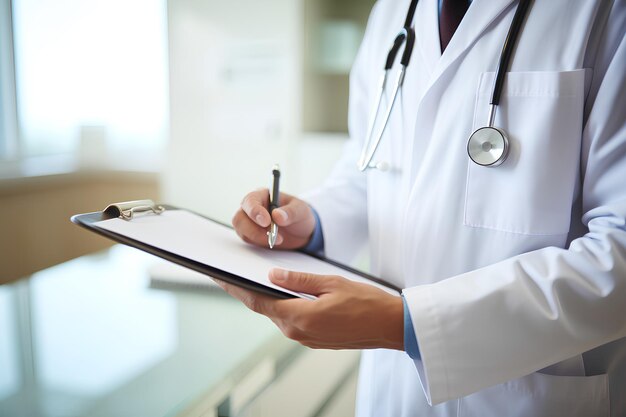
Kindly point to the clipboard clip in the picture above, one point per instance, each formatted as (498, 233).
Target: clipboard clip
(126, 210)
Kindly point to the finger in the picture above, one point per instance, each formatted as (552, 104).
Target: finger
(304, 282)
(249, 231)
(255, 206)
(294, 211)
(255, 301)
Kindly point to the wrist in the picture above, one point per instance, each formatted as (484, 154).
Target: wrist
(393, 325)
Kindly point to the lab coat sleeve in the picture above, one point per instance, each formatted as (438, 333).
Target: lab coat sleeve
(342, 209)
(341, 202)
(522, 314)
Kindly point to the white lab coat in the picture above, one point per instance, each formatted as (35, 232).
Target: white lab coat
(515, 276)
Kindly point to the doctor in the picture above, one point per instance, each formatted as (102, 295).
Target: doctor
(514, 275)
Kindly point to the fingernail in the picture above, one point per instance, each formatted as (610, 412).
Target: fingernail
(282, 214)
(259, 219)
(279, 239)
(279, 274)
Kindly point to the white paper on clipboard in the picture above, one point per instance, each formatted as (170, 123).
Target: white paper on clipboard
(196, 238)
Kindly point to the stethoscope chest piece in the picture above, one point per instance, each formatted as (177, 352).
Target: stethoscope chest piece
(488, 146)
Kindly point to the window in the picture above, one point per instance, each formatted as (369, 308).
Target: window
(90, 73)
(8, 134)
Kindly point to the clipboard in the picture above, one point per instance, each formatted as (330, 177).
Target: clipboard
(116, 222)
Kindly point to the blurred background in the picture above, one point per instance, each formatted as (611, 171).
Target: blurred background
(185, 102)
(188, 102)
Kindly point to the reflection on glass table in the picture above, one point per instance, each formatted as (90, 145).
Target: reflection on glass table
(91, 337)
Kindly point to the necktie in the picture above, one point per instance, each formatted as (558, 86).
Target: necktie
(452, 12)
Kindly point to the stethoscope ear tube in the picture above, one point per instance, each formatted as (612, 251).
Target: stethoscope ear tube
(407, 37)
(372, 142)
(408, 48)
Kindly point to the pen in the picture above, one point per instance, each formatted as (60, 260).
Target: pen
(274, 199)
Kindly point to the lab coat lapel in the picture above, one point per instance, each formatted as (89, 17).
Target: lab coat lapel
(427, 35)
(478, 18)
(480, 15)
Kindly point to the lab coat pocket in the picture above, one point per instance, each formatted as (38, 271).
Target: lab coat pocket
(531, 193)
(541, 395)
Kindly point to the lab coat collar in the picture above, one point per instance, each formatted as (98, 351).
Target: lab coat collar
(479, 16)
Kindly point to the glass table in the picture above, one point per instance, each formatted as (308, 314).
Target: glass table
(93, 337)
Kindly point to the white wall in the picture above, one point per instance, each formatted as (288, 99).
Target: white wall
(236, 93)
(235, 104)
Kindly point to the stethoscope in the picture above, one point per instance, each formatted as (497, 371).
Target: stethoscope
(487, 146)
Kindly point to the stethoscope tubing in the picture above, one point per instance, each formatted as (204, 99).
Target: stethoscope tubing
(407, 37)
(507, 50)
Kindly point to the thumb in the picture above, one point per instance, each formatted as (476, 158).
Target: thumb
(301, 281)
(295, 211)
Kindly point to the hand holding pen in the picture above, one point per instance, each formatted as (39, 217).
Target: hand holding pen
(293, 219)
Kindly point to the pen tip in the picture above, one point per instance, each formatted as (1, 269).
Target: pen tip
(271, 239)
